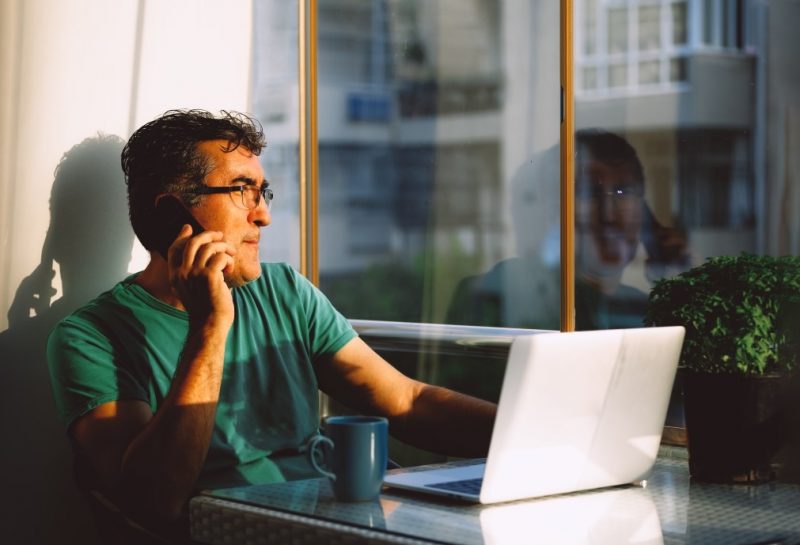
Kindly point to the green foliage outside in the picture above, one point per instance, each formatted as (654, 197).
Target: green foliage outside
(383, 291)
(741, 314)
(398, 291)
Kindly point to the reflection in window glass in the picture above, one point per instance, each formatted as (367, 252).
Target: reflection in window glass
(617, 30)
(708, 180)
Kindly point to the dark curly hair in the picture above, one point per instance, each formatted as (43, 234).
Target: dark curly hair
(608, 148)
(162, 157)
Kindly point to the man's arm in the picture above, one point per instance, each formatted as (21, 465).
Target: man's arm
(426, 416)
(150, 463)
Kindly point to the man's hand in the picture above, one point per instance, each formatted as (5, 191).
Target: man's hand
(197, 266)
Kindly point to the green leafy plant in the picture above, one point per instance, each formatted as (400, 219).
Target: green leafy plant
(740, 314)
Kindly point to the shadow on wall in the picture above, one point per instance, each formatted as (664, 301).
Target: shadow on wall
(90, 239)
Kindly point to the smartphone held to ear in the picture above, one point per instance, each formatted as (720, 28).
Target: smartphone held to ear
(171, 216)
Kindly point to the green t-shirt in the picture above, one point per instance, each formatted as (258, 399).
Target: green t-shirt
(126, 345)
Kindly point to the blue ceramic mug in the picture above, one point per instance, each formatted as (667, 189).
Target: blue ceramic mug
(355, 457)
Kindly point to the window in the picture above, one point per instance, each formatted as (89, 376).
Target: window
(421, 153)
(680, 27)
(721, 23)
(649, 27)
(438, 151)
(646, 43)
(617, 30)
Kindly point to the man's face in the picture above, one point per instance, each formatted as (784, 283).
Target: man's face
(608, 216)
(240, 227)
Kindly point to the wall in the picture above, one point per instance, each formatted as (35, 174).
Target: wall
(71, 71)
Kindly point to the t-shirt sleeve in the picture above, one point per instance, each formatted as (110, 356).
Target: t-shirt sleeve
(84, 372)
(328, 329)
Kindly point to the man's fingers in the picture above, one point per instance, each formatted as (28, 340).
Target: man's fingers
(208, 251)
(220, 261)
(192, 244)
(180, 242)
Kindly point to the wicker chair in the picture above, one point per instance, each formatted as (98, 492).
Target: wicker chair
(114, 526)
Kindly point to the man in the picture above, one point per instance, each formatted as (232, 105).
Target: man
(203, 369)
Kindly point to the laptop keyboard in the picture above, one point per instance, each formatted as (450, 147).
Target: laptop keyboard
(467, 486)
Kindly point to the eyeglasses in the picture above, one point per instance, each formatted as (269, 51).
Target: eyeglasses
(598, 192)
(246, 197)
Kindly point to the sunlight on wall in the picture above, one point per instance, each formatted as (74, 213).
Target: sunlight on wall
(75, 74)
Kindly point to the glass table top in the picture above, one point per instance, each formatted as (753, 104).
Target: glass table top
(667, 508)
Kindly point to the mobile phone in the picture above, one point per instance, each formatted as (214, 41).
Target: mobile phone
(171, 215)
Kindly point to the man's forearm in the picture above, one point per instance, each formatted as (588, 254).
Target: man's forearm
(447, 422)
(161, 466)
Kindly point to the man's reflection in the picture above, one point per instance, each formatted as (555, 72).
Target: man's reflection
(612, 218)
(609, 191)
(612, 223)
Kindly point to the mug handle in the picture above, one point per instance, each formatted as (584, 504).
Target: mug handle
(311, 452)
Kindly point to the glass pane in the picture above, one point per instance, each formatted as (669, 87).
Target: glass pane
(590, 39)
(275, 82)
(680, 32)
(590, 27)
(589, 78)
(649, 72)
(649, 27)
(618, 75)
(678, 70)
(617, 30)
(697, 178)
(709, 22)
(438, 161)
(724, 23)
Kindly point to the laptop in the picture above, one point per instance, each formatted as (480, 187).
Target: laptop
(577, 411)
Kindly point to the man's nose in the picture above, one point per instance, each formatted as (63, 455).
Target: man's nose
(260, 215)
(606, 205)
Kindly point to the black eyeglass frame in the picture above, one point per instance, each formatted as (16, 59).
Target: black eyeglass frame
(596, 191)
(265, 192)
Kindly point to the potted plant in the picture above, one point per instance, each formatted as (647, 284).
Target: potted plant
(739, 354)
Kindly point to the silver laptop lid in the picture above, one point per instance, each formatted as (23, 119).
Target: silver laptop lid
(580, 410)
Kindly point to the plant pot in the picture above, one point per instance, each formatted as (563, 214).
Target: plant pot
(735, 424)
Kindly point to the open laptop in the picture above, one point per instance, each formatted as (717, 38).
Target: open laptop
(577, 411)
